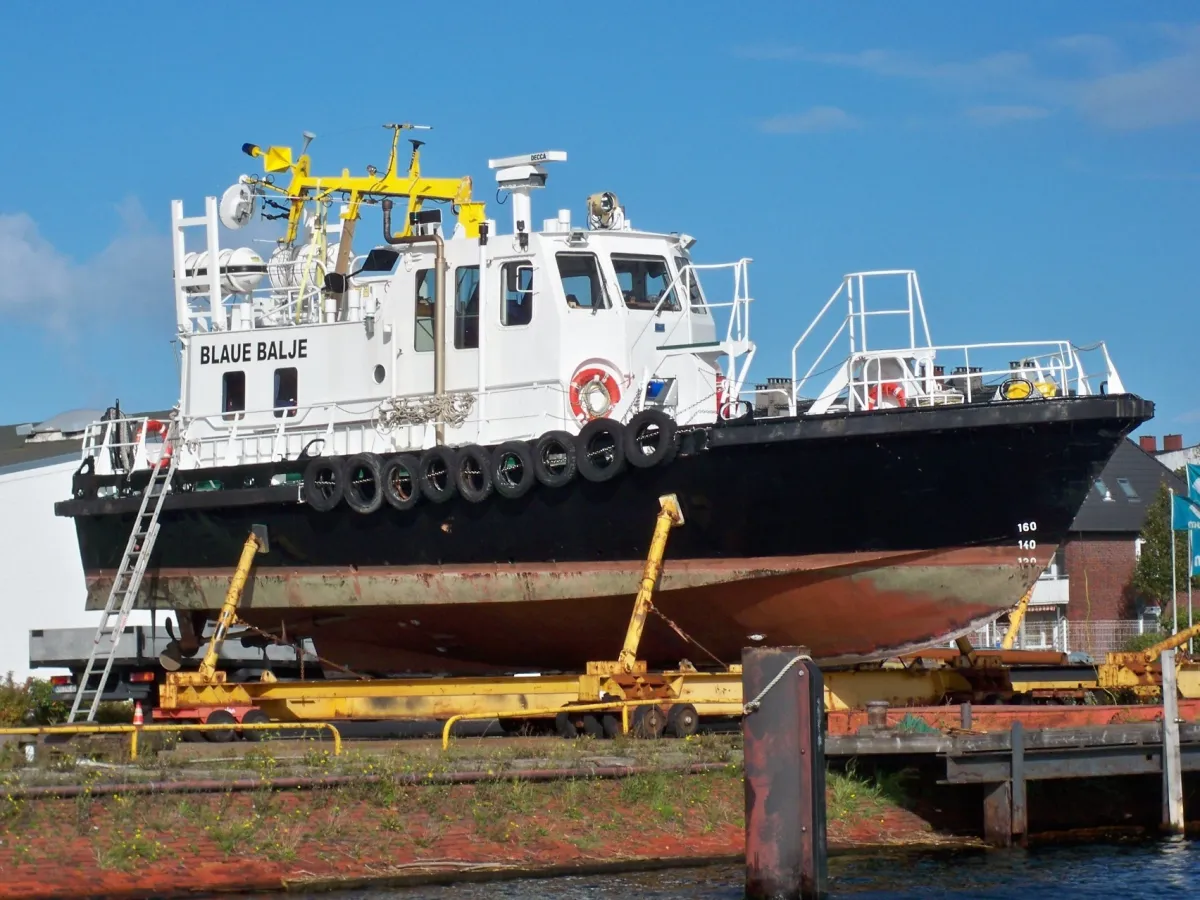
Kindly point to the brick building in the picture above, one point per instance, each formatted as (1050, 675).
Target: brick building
(1083, 601)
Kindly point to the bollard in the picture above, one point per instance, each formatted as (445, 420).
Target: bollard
(1172, 767)
(784, 766)
(877, 711)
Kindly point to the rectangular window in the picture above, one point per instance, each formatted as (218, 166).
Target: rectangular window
(233, 394)
(285, 392)
(1127, 489)
(516, 307)
(691, 282)
(644, 280)
(424, 310)
(466, 307)
(580, 274)
(1102, 490)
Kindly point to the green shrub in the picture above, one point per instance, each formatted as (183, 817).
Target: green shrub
(29, 703)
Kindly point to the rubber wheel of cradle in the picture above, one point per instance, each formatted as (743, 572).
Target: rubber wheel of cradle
(512, 469)
(600, 450)
(437, 474)
(648, 722)
(473, 473)
(400, 481)
(682, 720)
(256, 717)
(554, 460)
(220, 717)
(193, 737)
(564, 726)
(650, 439)
(612, 725)
(593, 727)
(363, 488)
(324, 483)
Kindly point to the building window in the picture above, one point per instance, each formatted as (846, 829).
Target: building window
(233, 394)
(644, 280)
(516, 307)
(1102, 490)
(580, 274)
(424, 310)
(1127, 490)
(1137, 547)
(466, 307)
(1057, 567)
(285, 392)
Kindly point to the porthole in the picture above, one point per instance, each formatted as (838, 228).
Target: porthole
(379, 374)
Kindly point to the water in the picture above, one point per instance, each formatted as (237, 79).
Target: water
(1127, 871)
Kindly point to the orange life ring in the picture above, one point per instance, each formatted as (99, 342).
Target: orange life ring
(586, 381)
(887, 389)
(154, 426)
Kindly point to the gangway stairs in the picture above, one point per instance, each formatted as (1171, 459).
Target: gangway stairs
(126, 584)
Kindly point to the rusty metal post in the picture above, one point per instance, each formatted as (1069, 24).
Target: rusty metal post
(784, 767)
(1020, 804)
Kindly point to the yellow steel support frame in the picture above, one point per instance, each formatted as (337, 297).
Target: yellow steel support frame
(305, 186)
(134, 730)
(1015, 620)
(669, 516)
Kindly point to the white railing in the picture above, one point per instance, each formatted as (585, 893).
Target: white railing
(342, 428)
(1095, 638)
(918, 372)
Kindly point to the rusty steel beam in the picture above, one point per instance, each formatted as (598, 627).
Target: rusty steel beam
(784, 774)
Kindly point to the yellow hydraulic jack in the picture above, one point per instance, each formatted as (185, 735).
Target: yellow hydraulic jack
(207, 674)
(1015, 619)
(1138, 673)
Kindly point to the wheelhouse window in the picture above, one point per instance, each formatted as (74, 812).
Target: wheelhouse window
(645, 281)
(233, 394)
(285, 392)
(424, 310)
(516, 279)
(466, 307)
(691, 282)
(581, 282)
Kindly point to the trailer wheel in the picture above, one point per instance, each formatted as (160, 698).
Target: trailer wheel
(612, 725)
(255, 717)
(683, 721)
(220, 717)
(593, 727)
(648, 722)
(564, 725)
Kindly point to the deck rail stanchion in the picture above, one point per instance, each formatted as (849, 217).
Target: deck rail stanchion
(784, 766)
(1172, 762)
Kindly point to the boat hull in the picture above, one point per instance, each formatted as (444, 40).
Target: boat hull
(858, 536)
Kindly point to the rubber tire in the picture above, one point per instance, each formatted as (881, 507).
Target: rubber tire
(612, 725)
(221, 717)
(352, 494)
(192, 737)
(564, 726)
(589, 468)
(437, 456)
(471, 492)
(541, 468)
(410, 464)
(316, 498)
(682, 720)
(592, 726)
(500, 478)
(256, 717)
(667, 447)
(648, 723)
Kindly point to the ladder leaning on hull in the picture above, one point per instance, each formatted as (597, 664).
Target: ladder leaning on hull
(127, 582)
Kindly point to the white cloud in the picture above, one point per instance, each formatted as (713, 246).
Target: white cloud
(1004, 115)
(811, 121)
(37, 280)
(1089, 74)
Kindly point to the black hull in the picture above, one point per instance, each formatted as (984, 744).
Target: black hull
(909, 479)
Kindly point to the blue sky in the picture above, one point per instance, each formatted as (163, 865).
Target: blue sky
(1035, 163)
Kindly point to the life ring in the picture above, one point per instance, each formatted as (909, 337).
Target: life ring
(154, 426)
(887, 389)
(594, 394)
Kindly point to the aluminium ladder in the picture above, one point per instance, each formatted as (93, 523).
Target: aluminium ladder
(126, 583)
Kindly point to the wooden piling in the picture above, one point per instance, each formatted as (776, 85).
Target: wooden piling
(1172, 763)
(784, 769)
(1020, 804)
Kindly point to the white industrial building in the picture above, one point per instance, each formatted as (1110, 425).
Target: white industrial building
(43, 585)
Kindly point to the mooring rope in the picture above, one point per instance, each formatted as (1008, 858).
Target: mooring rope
(753, 705)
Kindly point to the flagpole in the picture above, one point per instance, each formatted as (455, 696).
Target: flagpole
(1189, 571)
(1174, 590)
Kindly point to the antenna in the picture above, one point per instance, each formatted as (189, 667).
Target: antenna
(521, 174)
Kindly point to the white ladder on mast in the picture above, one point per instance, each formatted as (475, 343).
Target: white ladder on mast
(126, 583)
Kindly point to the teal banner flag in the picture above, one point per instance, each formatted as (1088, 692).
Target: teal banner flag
(1193, 480)
(1184, 514)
